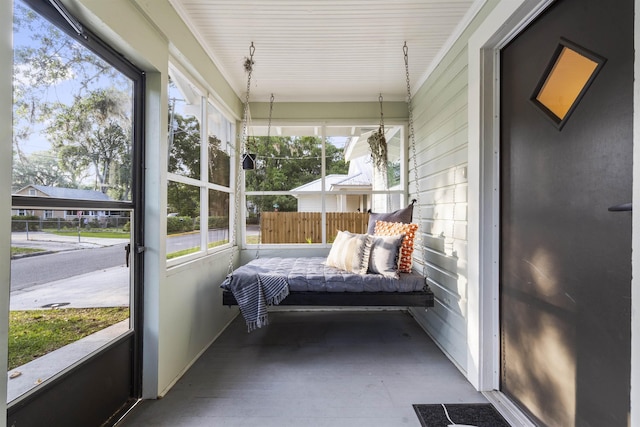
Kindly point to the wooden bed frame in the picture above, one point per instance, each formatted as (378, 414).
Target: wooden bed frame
(350, 299)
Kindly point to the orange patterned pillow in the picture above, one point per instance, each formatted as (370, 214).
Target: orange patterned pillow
(384, 228)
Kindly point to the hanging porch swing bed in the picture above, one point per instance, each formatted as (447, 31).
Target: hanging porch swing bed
(372, 269)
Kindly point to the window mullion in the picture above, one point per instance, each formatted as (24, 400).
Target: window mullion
(204, 173)
(323, 162)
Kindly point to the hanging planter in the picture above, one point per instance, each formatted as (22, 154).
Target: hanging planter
(248, 161)
(249, 156)
(378, 144)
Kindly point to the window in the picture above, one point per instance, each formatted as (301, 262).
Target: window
(565, 81)
(311, 181)
(199, 172)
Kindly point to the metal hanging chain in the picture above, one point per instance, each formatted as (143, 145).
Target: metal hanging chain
(268, 141)
(412, 143)
(248, 67)
(382, 135)
(381, 115)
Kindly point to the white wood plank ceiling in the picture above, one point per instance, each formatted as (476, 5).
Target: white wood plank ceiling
(326, 50)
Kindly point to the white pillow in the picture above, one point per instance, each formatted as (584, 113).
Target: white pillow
(350, 252)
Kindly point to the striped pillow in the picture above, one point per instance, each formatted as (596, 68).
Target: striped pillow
(384, 255)
(384, 228)
(350, 252)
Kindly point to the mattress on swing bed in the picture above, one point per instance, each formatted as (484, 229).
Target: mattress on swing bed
(311, 274)
(312, 283)
(312, 277)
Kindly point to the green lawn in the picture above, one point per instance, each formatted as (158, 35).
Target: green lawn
(21, 251)
(107, 234)
(34, 333)
(193, 250)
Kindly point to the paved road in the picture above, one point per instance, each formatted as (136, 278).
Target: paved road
(36, 270)
(69, 258)
(192, 240)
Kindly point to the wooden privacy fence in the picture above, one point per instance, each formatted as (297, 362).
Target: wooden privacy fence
(306, 227)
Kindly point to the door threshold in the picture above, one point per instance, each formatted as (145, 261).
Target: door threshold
(508, 409)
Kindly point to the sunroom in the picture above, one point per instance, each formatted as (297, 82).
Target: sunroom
(511, 123)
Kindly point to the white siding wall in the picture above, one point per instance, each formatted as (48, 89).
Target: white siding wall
(353, 203)
(440, 113)
(314, 203)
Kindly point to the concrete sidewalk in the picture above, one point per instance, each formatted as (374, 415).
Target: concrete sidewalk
(101, 288)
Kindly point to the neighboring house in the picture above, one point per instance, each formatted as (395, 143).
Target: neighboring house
(362, 178)
(63, 193)
(357, 179)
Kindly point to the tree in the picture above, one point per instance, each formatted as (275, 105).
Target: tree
(219, 163)
(94, 132)
(41, 168)
(184, 146)
(184, 159)
(183, 199)
(284, 163)
(55, 77)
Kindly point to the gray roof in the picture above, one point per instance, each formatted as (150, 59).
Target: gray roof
(71, 193)
(357, 180)
(336, 180)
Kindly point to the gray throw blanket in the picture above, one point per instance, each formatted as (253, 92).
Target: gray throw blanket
(254, 288)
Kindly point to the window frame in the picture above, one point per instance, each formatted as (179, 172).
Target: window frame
(207, 100)
(563, 44)
(320, 126)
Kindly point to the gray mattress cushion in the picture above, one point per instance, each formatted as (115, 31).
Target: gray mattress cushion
(311, 274)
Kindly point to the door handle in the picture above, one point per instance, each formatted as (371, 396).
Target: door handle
(127, 251)
(625, 207)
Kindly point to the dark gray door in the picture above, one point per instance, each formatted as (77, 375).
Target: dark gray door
(95, 384)
(565, 275)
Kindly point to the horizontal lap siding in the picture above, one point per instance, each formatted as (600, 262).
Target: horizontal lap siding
(440, 110)
(440, 125)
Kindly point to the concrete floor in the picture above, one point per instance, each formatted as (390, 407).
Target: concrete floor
(313, 368)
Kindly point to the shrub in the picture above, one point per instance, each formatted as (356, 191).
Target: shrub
(58, 223)
(218, 222)
(19, 223)
(179, 224)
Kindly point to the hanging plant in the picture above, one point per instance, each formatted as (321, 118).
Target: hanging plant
(378, 146)
(378, 143)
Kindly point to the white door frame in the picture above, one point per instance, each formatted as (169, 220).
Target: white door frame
(508, 19)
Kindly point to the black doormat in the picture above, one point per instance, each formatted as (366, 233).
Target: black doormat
(473, 414)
